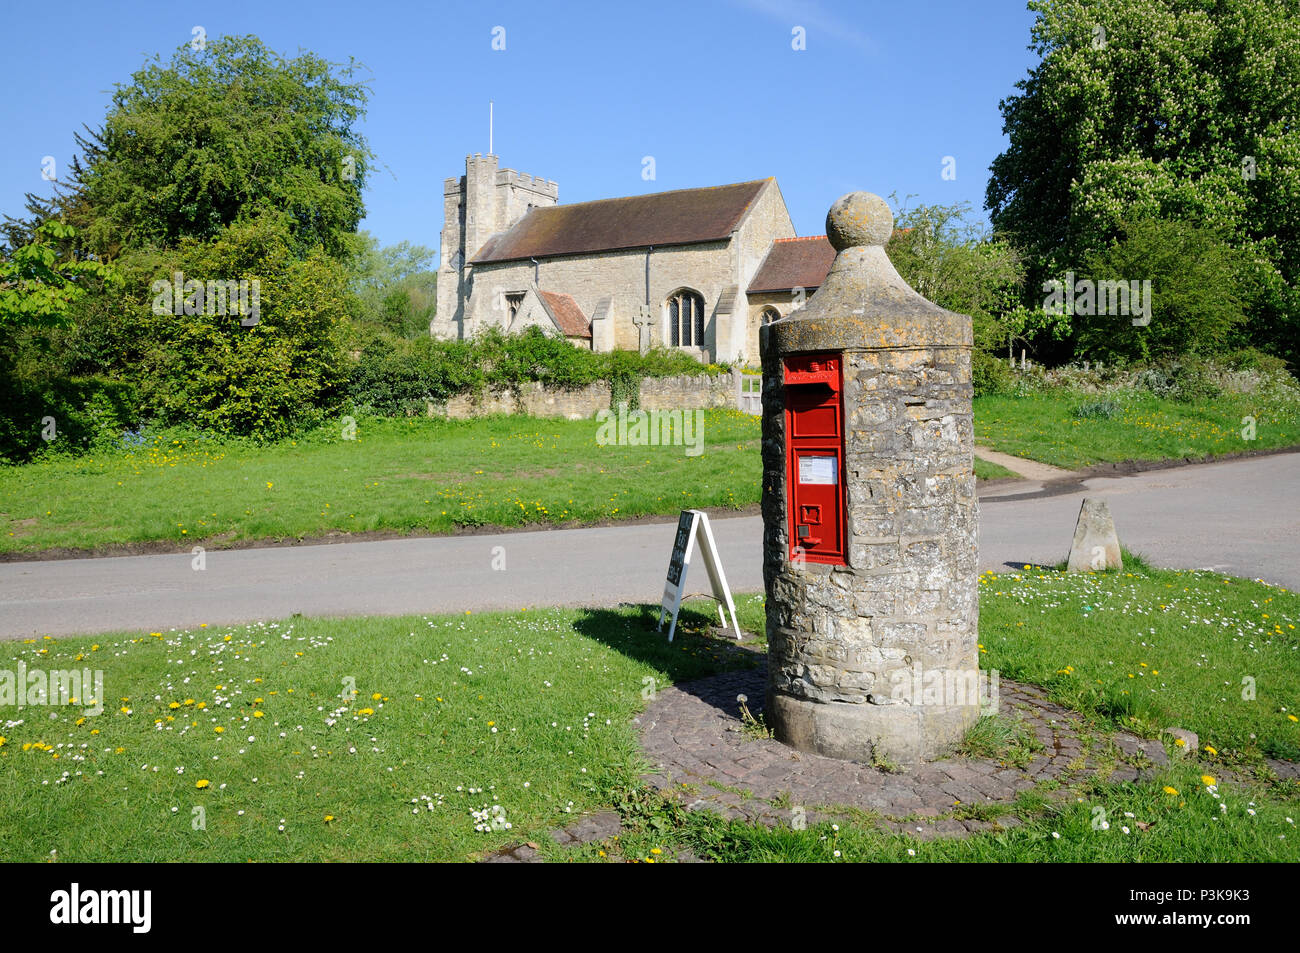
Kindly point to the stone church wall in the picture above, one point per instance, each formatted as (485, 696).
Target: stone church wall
(657, 393)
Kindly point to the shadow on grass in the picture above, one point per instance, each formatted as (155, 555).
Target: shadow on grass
(699, 648)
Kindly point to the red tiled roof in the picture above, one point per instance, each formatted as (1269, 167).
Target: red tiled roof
(794, 263)
(568, 316)
(682, 217)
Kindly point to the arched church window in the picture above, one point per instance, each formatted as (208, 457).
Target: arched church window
(769, 315)
(686, 319)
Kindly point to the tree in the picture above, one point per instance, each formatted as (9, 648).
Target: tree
(397, 289)
(1195, 298)
(220, 136)
(1185, 110)
(39, 281)
(211, 365)
(954, 262)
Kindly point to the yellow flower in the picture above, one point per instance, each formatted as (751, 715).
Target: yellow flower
(376, 696)
(1207, 780)
(1179, 743)
(174, 705)
(120, 751)
(1210, 750)
(3, 741)
(328, 818)
(1292, 718)
(201, 784)
(656, 850)
(1169, 790)
(218, 729)
(259, 714)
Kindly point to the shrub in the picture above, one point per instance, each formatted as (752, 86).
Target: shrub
(266, 380)
(1182, 379)
(989, 375)
(399, 377)
(1197, 296)
(86, 412)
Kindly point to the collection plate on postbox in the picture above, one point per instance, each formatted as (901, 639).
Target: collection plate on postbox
(814, 428)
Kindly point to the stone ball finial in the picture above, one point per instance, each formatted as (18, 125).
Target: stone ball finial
(859, 218)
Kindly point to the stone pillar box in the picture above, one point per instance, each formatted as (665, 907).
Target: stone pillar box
(871, 638)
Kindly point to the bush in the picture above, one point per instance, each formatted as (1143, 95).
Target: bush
(397, 377)
(86, 412)
(1181, 379)
(990, 375)
(394, 377)
(266, 380)
(1197, 294)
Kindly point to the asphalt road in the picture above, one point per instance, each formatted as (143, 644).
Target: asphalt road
(1240, 517)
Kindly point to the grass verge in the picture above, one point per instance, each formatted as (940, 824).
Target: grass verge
(1066, 430)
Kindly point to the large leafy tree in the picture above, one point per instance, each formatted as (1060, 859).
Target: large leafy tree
(220, 136)
(948, 257)
(1175, 109)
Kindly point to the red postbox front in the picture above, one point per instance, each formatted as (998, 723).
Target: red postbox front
(814, 468)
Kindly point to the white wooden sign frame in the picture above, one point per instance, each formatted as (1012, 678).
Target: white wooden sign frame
(698, 530)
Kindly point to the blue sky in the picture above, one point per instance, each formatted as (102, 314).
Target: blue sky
(712, 89)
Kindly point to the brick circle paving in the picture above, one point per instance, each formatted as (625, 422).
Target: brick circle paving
(693, 735)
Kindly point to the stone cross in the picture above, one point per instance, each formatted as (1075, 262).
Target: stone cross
(643, 320)
(872, 650)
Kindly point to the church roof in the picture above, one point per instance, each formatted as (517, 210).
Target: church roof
(682, 217)
(794, 263)
(567, 315)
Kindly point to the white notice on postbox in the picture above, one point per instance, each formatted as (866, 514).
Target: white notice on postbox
(817, 470)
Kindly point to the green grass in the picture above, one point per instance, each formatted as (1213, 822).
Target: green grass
(558, 687)
(991, 471)
(561, 686)
(1000, 738)
(410, 475)
(1146, 649)
(1077, 430)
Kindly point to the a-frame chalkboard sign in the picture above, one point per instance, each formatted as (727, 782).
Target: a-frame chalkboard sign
(693, 530)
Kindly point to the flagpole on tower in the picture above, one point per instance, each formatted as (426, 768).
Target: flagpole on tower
(490, 127)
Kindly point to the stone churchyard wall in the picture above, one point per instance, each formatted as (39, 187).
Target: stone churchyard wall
(684, 392)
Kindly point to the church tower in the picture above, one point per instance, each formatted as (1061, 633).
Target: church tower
(477, 205)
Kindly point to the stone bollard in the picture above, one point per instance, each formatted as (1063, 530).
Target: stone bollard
(869, 510)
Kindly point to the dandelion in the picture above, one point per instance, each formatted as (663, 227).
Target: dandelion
(202, 784)
(1169, 790)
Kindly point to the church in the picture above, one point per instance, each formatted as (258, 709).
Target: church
(694, 269)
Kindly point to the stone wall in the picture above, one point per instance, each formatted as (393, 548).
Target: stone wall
(685, 392)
